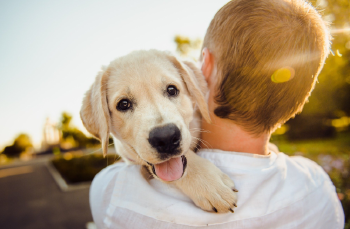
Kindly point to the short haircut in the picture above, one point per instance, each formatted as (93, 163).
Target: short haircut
(252, 39)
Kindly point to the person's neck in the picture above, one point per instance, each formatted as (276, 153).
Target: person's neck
(223, 134)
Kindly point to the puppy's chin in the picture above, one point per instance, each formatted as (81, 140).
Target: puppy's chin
(169, 170)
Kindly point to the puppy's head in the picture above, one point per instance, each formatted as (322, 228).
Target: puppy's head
(146, 100)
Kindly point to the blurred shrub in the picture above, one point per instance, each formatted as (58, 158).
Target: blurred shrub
(21, 144)
(75, 169)
(310, 127)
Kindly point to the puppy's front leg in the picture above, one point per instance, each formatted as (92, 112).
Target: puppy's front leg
(208, 187)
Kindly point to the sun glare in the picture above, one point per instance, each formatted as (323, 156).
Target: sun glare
(343, 30)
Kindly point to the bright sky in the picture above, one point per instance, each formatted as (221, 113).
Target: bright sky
(50, 51)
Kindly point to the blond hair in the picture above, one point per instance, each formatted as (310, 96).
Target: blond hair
(250, 41)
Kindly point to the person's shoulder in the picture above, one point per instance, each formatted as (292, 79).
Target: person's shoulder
(308, 175)
(312, 187)
(303, 176)
(310, 169)
(304, 162)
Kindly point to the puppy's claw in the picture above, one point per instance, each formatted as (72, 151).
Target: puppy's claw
(235, 190)
(231, 210)
(234, 204)
(215, 210)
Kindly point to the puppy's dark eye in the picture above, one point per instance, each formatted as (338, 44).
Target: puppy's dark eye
(124, 105)
(172, 90)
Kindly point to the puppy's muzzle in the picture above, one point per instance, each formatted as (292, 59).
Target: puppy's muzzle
(166, 140)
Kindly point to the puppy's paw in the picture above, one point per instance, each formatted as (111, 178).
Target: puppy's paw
(217, 195)
(208, 187)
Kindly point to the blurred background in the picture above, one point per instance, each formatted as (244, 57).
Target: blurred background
(50, 53)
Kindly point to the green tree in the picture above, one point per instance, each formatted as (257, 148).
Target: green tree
(332, 93)
(330, 99)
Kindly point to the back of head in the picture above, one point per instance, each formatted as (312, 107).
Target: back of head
(252, 41)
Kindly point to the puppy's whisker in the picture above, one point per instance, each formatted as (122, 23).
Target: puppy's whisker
(201, 131)
(205, 143)
(196, 128)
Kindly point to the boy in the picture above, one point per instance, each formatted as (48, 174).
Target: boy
(261, 60)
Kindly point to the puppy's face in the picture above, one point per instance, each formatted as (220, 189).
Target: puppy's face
(150, 107)
(146, 100)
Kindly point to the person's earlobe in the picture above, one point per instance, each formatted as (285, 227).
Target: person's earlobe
(207, 64)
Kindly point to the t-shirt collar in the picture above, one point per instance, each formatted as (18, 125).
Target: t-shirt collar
(238, 159)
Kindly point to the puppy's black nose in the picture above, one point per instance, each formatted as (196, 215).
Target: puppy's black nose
(165, 139)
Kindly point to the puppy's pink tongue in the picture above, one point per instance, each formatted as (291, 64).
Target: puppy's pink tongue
(170, 170)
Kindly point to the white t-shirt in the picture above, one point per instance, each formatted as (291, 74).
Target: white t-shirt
(275, 191)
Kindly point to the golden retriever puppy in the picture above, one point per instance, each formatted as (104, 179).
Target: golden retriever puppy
(150, 102)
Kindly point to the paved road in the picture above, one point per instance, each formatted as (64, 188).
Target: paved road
(30, 199)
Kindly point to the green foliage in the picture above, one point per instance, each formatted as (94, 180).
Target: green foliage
(330, 99)
(20, 144)
(75, 169)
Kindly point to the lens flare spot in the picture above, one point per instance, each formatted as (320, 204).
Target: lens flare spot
(283, 75)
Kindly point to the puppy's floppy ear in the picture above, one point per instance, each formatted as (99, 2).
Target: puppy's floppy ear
(195, 83)
(94, 112)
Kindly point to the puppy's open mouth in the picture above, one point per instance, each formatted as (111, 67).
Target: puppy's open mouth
(170, 170)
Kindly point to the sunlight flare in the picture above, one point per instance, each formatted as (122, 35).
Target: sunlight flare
(343, 30)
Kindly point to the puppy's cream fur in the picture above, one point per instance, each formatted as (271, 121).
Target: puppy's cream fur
(142, 77)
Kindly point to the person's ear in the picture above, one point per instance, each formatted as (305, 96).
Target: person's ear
(207, 64)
